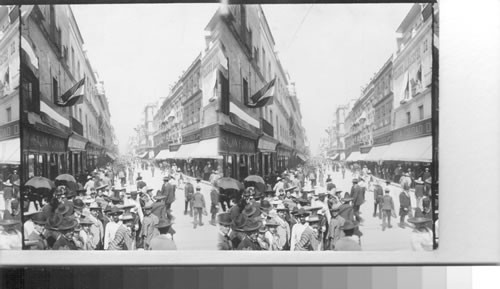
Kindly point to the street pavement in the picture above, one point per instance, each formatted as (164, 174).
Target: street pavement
(374, 239)
(186, 237)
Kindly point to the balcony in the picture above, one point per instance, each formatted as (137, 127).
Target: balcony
(266, 127)
(76, 126)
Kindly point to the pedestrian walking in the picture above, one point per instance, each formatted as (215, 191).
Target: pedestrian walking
(188, 198)
(419, 192)
(334, 229)
(378, 193)
(357, 199)
(387, 209)
(214, 207)
(163, 241)
(170, 193)
(199, 207)
(405, 205)
(148, 228)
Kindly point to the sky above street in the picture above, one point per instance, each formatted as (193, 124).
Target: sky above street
(329, 50)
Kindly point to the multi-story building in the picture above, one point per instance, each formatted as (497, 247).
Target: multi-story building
(9, 90)
(397, 102)
(69, 138)
(219, 123)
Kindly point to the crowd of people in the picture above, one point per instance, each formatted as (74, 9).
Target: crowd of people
(99, 215)
(294, 215)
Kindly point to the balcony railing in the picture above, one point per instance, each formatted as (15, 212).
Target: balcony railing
(266, 127)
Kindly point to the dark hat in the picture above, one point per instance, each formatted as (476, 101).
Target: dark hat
(62, 209)
(330, 186)
(272, 223)
(224, 219)
(265, 205)
(302, 213)
(355, 180)
(54, 221)
(115, 211)
(348, 225)
(70, 194)
(335, 207)
(313, 209)
(133, 193)
(95, 206)
(249, 211)
(290, 189)
(258, 195)
(301, 200)
(14, 203)
(116, 190)
(419, 220)
(140, 178)
(126, 207)
(239, 222)
(114, 199)
(148, 206)
(282, 208)
(198, 179)
(107, 209)
(346, 200)
(163, 223)
(39, 218)
(67, 223)
(9, 222)
(252, 225)
(78, 204)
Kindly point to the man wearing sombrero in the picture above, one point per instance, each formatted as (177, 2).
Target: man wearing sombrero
(298, 228)
(163, 241)
(249, 241)
(310, 239)
(38, 237)
(421, 237)
(224, 230)
(123, 238)
(148, 229)
(97, 228)
(349, 242)
(66, 239)
(112, 226)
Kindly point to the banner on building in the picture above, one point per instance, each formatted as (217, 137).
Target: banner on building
(213, 62)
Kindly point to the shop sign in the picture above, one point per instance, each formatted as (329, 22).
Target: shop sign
(204, 133)
(42, 142)
(236, 144)
(415, 130)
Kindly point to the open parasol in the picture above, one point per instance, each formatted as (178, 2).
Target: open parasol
(229, 183)
(66, 178)
(255, 179)
(40, 183)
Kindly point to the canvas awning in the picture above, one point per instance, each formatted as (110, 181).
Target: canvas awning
(414, 150)
(207, 149)
(377, 153)
(302, 157)
(10, 151)
(164, 155)
(353, 157)
(186, 151)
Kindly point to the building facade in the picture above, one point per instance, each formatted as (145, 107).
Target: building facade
(219, 124)
(391, 123)
(9, 90)
(71, 138)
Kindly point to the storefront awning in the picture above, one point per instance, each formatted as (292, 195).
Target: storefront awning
(353, 157)
(10, 151)
(302, 157)
(267, 144)
(414, 150)
(186, 151)
(111, 156)
(377, 153)
(164, 155)
(77, 142)
(207, 149)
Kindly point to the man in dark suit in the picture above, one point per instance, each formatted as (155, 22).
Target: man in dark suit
(404, 205)
(357, 198)
(170, 193)
(378, 193)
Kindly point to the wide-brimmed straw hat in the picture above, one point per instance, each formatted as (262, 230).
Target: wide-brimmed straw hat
(252, 225)
(224, 219)
(67, 223)
(164, 223)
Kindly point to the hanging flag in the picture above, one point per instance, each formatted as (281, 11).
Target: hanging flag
(266, 91)
(261, 103)
(222, 59)
(74, 95)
